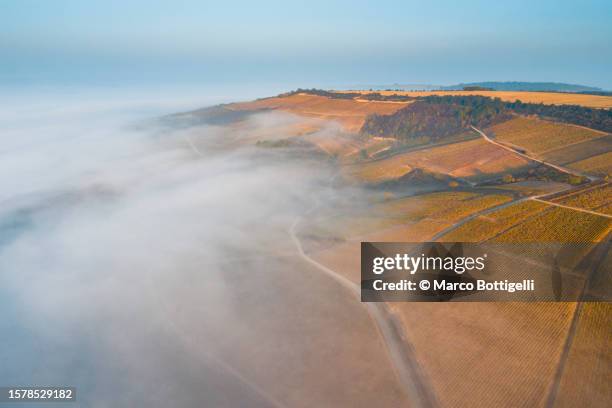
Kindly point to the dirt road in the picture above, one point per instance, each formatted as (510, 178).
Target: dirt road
(401, 354)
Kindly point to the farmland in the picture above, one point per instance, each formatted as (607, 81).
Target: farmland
(513, 350)
(558, 225)
(445, 206)
(591, 199)
(557, 98)
(436, 210)
(474, 158)
(579, 151)
(539, 136)
(487, 226)
(488, 354)
(349, 113)
(600, 164)
(410, 219)
(586, 378)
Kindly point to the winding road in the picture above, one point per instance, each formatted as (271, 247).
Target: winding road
(536, 197)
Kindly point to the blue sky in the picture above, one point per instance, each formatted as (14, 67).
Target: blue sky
(315, 43)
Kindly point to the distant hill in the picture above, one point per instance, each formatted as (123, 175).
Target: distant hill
(526, 86)
(393, 87)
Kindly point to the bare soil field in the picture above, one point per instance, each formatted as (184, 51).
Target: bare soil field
(540, 136)
(558, 98)
(349, 113)
(469, 159)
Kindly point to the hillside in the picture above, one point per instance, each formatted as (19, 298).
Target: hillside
(556, 98)
(410, 169)
(525, 86)
(438, 116)
(430, 120)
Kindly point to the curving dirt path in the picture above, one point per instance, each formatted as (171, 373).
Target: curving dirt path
(531, 158)
(401, 353)
(536, 197)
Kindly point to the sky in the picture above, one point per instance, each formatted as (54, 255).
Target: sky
(314, 43)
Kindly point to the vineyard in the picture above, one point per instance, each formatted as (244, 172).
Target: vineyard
(539, 136)
(444, 206)
(506, 349)
(558, 225)
(486, 226)
(600, 164)
(579, 151)
(592, 199)
(586, 377)
(474, 158)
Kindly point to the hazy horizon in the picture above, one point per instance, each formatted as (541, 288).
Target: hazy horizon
(314, 45)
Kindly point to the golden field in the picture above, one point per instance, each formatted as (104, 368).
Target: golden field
(579, 148)
(469, 159)
(539, 136)
(349, 113)
(600, 164)
(485, 354)
(557, 98)
(586, 377)
(590, 199)
(558, 225)
(409, 219)
(488, 354)
(487, 226)
(580, 151)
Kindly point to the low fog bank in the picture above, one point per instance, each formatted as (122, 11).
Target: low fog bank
(152, 267)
